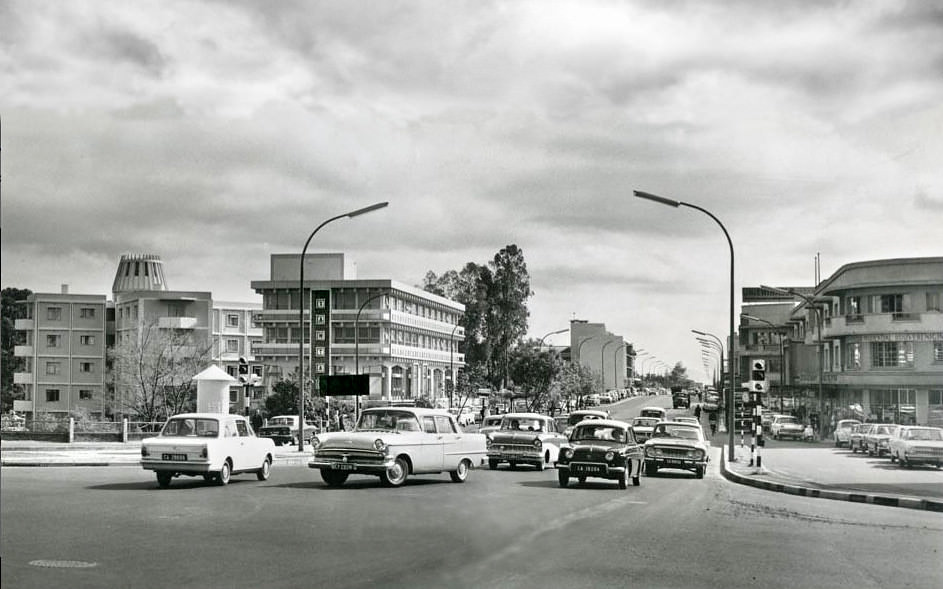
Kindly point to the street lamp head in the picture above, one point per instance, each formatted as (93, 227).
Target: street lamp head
(776, 290)
(654, 197)
(368, 209)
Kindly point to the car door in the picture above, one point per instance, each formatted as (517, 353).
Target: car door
(429, 452)
(452, 438)
(242, 447)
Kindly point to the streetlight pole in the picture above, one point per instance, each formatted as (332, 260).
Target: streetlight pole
(452, 365)
(357, 346)
(782, 355)
(602, 363)
(579, 351)
(715, 344)
(676, 204)
(818, 319)
(301, 313)
(541, 342)
(615, 365)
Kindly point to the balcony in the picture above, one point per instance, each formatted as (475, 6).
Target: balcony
(177, 322)
(860, 324)
(23, 324)
(22, 378)
(23, 351)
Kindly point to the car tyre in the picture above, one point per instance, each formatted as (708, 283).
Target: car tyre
(624, 479)
(650, 469)
(492, 464)
(512, 465)
(461, 473)
(163, 479)
(265, 471)
(893, 458)
(225, 472)
(396, 475)
(563, 477)
(334, 478)
(853, 449)
(699, 472)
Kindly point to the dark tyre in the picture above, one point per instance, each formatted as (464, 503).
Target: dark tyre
(225, 472)
(699, 472)
(624, 479)
(163, 479)
(650, 469)
(563, 476)
(334, 478)
(395, 476)
(636, 481)
(461, 473)
(265, 471)
(893, 459)
(492, 464)
(581, 480)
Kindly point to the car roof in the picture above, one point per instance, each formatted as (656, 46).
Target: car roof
(206, 416)
(420, 411)
(609, 422)
(525, 416)
(653, 408)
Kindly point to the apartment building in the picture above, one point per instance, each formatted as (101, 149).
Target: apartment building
(405, 338)
(606, 354)
(62, 355)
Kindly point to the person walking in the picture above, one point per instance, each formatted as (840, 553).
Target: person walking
(697, 411)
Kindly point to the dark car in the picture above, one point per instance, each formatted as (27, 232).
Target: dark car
(283, 429)
(601, 448)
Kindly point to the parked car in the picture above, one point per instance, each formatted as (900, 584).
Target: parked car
(491, 423)
(876, 441)
(676, 445)
(396, 442)
(917, 445)
(843, 429)
(643, 426)
(525, 438)
(659, 412)
(463, 416)
(283, 429)
(786, 426)
(583, 414)
(856, 437)
(601, 448)
(212, 445)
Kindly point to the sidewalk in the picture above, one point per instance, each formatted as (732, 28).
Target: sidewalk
(35, 453)
(782, 469)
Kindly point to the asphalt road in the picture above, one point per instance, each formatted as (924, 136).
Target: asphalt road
(112, 527)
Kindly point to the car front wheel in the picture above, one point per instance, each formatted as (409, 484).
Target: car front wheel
(493, 464)
(624, 479)
(461, 473)
(333, 478)
(395, 475)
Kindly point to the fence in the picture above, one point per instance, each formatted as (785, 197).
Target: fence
(69, 430)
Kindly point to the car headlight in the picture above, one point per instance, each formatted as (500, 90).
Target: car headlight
(568, 453)
(488, 442)
(538, 444)
(610, 455)
(649, 451)
(380, 445)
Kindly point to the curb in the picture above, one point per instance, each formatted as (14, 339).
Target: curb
(285, 461)
(885, 500)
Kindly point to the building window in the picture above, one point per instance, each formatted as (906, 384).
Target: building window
(232, 345)
(232, 320)
(54, 313)
(52, 341)
(935, 413)
(933, 302)
(894, 406)
(233, 396)
(52, 395)
(853, 356)
(256, 370)
(231, 371)
(87, 312)
(52, 368)
(87, 340)
(85, 395)
(85, 367)
(892, 354)
(938, 351)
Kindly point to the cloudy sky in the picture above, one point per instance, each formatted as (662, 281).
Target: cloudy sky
(217, 133)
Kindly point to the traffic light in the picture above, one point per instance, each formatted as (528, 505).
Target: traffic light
(758, 370)
(243, 366)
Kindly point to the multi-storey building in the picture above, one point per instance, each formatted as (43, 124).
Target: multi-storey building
(607, 355)
(405, 338)
(234, 335)
(62, 353)
(870, 338)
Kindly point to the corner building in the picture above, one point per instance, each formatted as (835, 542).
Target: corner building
(405, 338)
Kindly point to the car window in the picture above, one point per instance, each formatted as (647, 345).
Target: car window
(242, 428)
(428, 424)
(444, 424)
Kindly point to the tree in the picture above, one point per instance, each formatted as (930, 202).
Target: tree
(154, 370)
(574, 382)
(8, 363)
(534, 371)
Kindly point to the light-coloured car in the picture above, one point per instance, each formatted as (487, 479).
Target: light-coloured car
(659, 412)
(856, 436)
(786, 426)
(490, 423)
(212, 445)
(463, 416)
(877, 440)
(917, 445)
(396, 442)
(601, 448)
(577, 416)
(525, 438)
(842, 434)
(643, 427)
(676, 445)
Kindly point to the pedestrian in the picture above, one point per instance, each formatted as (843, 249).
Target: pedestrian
(712, 420)
(697, 411)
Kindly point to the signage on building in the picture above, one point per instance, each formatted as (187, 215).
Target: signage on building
(320, 330)
(898, 337)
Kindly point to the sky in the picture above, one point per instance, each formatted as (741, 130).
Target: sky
(215, 134)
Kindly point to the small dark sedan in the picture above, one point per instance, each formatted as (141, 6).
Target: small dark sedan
(601, 448)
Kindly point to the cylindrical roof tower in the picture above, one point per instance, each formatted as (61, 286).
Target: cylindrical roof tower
(139, 272)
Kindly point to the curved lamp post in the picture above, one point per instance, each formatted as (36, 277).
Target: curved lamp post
(819, 355)
(357, 345)
(615, 364)
(602, 363)
(541, 342)
(301, 313)
(677, 203)
(452, 365)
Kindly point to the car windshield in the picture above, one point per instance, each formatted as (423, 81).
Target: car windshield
(926, 435)
(190, 426)
(607, 433)
(574, 419)
(281, 421)
(650, 413)
(644, 422)
(675, 431)
(846, 425)
(388, 420)
(787, 420)
(522, 424)
(886, 429)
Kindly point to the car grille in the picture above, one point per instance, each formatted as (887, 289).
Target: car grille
(672, 451)
(349, 455)
(514, 448)
(928, 451)
(587, 455)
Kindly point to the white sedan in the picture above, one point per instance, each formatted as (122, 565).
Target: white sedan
(212, 445)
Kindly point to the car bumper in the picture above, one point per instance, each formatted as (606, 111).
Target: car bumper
(682, 463)
(923, 459)
(796, 434)
(515, 456)
(177, 466)
(352, 467)
(592, 469)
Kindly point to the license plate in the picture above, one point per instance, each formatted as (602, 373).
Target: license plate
(674, 461)
(342, 466)
(173, 457)
(589, 469)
